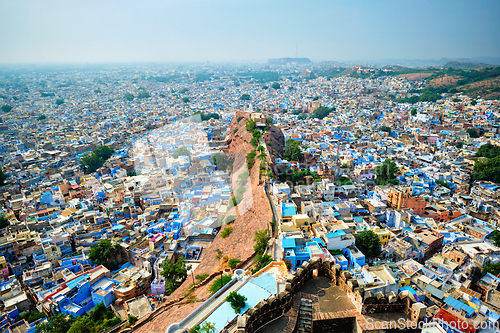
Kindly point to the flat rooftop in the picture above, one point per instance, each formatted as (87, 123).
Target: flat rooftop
(139, 307)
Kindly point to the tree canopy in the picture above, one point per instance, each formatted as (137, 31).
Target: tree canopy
(292, 150)
(143, 94)
(181, 151)
(368, 242)
(245, 97)
(322, 112)
(42, 117)
(236, 300)
(488, 150)
(385, 129)
(487, 167)
(60, 323)
(261, 239)
(488, 170)
(91, 162)
(4, 222)
(473, 133)
(59, 101)
(3, 177)
(219, 282)
(495, 237)
(222, 161)
(202, 116)
(276, 85)
(129, 97)
(386, 173)
(6, 108)
(105, 253)
(174, 274)
(206, 327)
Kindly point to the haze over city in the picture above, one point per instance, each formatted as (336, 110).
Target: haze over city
(225, 30)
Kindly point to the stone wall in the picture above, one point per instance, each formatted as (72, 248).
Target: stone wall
(342, 321)
(275, 306)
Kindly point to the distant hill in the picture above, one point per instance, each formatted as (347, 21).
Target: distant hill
(286, 61)
(477, 80)
(465, 65)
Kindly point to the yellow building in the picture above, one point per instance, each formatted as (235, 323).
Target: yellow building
(300, 219)
(383, 235)
(3, 262)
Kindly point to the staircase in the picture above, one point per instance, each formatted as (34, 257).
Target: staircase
(304, 322)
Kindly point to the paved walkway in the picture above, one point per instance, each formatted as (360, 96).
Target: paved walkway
(209, 308)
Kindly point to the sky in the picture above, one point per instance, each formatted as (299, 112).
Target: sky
(102, 31)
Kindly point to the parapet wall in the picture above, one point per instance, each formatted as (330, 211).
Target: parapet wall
(365, 303)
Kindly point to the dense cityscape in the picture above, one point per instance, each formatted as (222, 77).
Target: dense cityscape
(250, 166)
(158, 198)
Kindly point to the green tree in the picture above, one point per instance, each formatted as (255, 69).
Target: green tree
(60, 323)
(105, 253)
(174, 273)
(143, 94)
(226, 232)
(292, 151)
(4, 222)
(368, 243)
(83, 324)
(233, 262)
(276, 86)
(31, 317)
(202, 116)
(3, 177)
(322, 112)
(132, 320)
(206, 327)
(129, 97)
(250, 125)
(91, 162)
(104, 152)
(488, 170)
(385, 129)
(473, 133)
(181, 151)
(219, 283)
(460, 145)
(42, 117)
(386, 173)
(245, 97)
(59, 101)
(442, 183)
(488, 150)
(185, 100)
(265, 87)
(6, 108)
(261, 261)
(413, 112)
(236, 300)
(222, 161)
(492, 269)
(302, 116)
(261, 239)
(495, 237)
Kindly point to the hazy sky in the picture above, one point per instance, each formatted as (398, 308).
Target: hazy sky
(241, 30)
